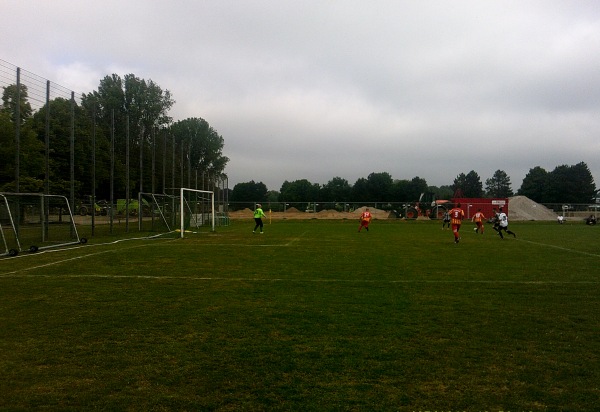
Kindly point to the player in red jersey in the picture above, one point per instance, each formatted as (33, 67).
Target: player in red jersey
(478, 218)
(456, 217)
(365, 219)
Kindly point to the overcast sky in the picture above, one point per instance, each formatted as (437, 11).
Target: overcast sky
(314, 89)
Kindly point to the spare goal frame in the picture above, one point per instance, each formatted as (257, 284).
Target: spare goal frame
(36, 214)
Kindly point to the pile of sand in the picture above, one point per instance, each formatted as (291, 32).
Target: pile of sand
(328, 214)
(241, 214)
(523, 208)
(519, 208)
(376, 213)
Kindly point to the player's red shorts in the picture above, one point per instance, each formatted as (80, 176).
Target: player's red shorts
(365, 223)
(455, 227)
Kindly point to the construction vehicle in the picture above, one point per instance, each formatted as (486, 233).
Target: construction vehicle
(101, 207)
(426, 206)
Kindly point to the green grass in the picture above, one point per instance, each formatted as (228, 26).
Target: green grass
(310, 316)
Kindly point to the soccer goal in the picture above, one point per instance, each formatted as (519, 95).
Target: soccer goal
(38, 220)
(158, 212)
(197, 206)
(189, 211)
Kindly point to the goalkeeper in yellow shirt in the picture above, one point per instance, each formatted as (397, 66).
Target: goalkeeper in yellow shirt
(258, 215)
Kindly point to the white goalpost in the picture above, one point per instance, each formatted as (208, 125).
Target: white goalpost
(190, 215)
(185, 211)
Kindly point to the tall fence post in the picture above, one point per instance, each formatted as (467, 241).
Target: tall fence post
(18, 132)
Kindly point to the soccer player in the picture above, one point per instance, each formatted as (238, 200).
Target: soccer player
(446, 220)
(258, 215)
(503, 224)
(365, 219)
(456, 217)
(495, 220)
(478, 219)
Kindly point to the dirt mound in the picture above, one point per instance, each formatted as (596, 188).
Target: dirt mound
(523, 208)
(241, 214)
(519, 208)
(376, 213)
(328, 214)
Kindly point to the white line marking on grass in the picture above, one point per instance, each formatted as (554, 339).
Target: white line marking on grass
(293, 240)
(560, 248)
(58, 262)
(88, 245)
(16, 272)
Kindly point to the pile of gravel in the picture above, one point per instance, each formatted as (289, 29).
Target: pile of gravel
(523, 208)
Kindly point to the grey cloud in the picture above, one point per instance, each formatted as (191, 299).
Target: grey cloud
(319, 89)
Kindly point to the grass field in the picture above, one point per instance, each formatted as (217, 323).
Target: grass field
(310, 316)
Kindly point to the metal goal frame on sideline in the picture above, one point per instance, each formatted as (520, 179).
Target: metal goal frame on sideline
(36, 212)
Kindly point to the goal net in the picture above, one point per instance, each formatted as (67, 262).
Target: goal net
(36, 221)
(198, 206)
(190, 211)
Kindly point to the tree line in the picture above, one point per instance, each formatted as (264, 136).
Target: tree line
(564, 184)
(119, 137)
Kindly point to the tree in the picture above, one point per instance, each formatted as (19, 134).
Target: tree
(535, 185)
(61, 111)
(400, 191)
(140, 107)
(249, 192)
(142, 100)
(380, 185)
(376, 188)
(459, 185)
(272, 196)
(498, 185)
(9, 102)
(204, 144)
(7, 148)
(584, 182)
(31, 149)
(416, 187)
(26, 185)
(299, 191)
(442, 192)
(571, 184)
(468, 185)
(336, 190)
(408, 190)
(360, 190)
